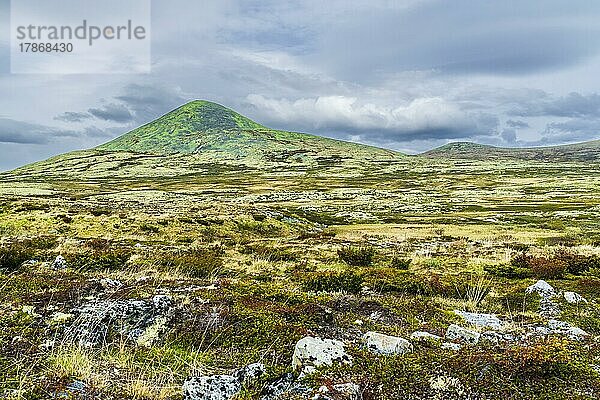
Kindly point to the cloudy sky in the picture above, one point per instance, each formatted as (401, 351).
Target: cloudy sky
(405, 74)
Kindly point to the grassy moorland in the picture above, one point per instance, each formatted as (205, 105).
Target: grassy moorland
(255, 239)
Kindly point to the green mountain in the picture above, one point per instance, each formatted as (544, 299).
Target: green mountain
(579, 152)
(202, 136)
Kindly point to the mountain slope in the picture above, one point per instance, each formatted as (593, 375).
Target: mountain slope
(579, 152)
(201, 136)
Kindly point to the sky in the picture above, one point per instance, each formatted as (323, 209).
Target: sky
(408, 75)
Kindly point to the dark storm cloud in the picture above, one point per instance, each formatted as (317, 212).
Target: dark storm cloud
(112, 112)
(70, 116)
(12, 131)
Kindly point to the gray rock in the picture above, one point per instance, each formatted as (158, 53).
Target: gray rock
(574, 298)
(59, 263)
(482, 320)
(463, 335)
(566, 329)
(541, 287)
(311, 353)
(385, 344)
(284, 388)
(141, 321)
(220, 387)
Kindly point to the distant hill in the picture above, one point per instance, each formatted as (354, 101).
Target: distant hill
(579, 152)
(201, 136)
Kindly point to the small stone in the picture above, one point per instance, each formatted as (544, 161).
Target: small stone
(59, 263)
(574, 298)
(542, 288)
(463, 335)
(451, 346)
(385, 344)
(482, 320)
(311, 353)
(422, 336)
(566, 329)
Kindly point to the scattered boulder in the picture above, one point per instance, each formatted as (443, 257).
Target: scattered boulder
(463, 335)
(482, 320)
(311, 353)
(385, 344)
(221, 387)
(574, 298)
(141, 321)
(59, 262)
(284, 388)
(541, 287)
(566, 329)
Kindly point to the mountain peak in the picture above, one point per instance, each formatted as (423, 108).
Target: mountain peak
(183, 130)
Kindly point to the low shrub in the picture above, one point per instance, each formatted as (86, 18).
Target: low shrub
(521, 260)
(332, 281)
(399, 281)
(548, 268)
(357, 256)
(508, 271)
(400, 263)
(578, 264)
(98, 259)
(13, 255)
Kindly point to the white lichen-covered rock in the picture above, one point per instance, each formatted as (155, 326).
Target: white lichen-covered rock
(451, 346)
(141, 321)
(220, 387)
(574, 298)
(59, 263)
(285, 388)
(463, 335)
(311, 353)
(482, 320)
(385, 344)
(566, 329)
(541, 287)
(424, 336)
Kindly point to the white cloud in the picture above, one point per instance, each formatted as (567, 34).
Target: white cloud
(435, 115)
